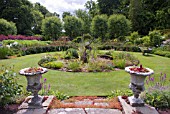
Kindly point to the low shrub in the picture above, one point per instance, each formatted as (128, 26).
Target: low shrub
(162, 53)
(5, 52)
(9, 88)
(75, 66)
(71, 53)
(46, 59)
(120, 63)
(117, 93)
(158, 99)
(53, 64)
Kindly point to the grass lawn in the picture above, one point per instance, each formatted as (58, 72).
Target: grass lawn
(100, 84)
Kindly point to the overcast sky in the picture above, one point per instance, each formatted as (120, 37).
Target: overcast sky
(60, 6)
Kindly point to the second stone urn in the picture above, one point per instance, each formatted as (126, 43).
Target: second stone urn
(138, 75)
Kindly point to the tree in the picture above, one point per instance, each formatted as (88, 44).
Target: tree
(41, 8)
(7, 28)
(19, 12)
(92, 8)
(66, 14)
(51, 28)
(99, 26)
(82, 14)
(155, 38)
(118, 26)
(73, 26)
(135, 16)
(37, 21)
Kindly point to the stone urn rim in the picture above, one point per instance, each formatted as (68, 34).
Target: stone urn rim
(22, 71)
(127, 69)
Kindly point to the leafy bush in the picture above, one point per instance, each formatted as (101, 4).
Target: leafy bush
(158, 99)
(7, 27)
(53, 64)
(121, 60)
(71, 54)
(118, 25)
(116, 93)
(4, 52)
(158, 93)
(8, 85)
(26, 43)
(74, 66)
(59, 95)
(162, 53)
(120, 63)
(46, 59)
(155, 38)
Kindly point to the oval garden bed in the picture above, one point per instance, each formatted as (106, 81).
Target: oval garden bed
(71, 61)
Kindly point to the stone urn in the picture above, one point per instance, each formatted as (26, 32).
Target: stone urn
(33, 76)
(138, 75)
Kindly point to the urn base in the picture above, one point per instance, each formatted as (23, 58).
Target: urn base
(36, 101)
(135, 102)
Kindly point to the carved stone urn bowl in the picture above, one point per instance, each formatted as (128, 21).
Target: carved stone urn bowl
(137, 84)
(33, 76)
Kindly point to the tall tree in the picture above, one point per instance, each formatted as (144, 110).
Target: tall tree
(37, 21)
(118, 26)
(41, 8)
(51, 28)
(7, 28)
(92, 8)
(19, 12)
(73, 26)
(82, 14)
(99, 26)
(135, 15)
(66, 14)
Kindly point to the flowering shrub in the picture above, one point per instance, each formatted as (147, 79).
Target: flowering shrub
(18, 37)
(158, 94)
(9, 88)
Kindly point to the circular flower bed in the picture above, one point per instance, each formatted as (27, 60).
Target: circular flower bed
(100, 63)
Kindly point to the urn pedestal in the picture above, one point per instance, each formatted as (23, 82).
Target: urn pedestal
(33, 84)
(137, 85)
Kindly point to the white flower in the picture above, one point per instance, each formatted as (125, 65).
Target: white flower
(14, 74)
(7, 71)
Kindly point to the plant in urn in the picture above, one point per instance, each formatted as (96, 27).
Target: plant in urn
(138, 75)
(33, 76)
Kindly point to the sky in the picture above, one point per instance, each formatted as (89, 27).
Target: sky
(60, 6)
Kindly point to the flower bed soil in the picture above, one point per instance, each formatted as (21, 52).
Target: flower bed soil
(87, 102)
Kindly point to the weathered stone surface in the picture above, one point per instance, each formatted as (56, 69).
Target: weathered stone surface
(102, 111)
(84, 102)
(40, 111)
(25, 111)
(101, 104)
(48, 101)
(128, 109)
(67, 111)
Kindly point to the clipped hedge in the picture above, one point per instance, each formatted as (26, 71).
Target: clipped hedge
(162, 53)
(121, 48)
(42, 49)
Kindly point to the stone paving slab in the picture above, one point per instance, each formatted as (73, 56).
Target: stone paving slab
(84, 111)
(128, 109)
(67, 111)
(102, 111)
